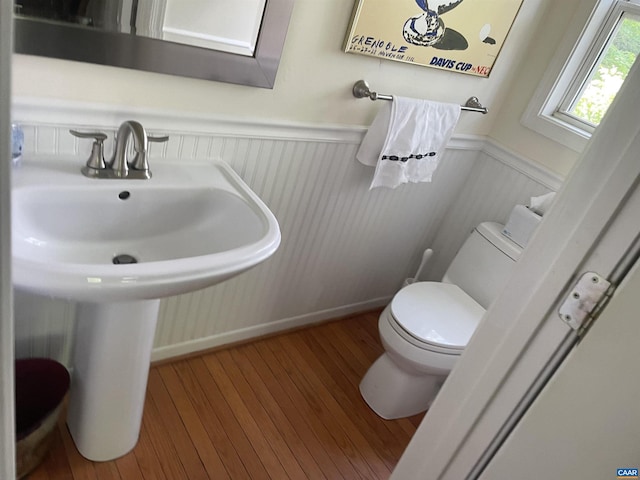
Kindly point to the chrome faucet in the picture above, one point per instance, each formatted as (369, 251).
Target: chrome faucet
(139, 164)
(119, 166)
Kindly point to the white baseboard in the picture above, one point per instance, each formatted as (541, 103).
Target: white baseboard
(244, 334)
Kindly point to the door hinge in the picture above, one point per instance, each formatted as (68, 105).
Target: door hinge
(585, 299)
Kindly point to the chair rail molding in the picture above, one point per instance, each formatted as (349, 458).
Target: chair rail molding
(53, 112)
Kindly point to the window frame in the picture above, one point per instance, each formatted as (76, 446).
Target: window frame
(585, 38)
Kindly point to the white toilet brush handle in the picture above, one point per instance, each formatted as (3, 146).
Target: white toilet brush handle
(425, 258)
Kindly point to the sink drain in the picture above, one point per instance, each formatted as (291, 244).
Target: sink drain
(124, 258)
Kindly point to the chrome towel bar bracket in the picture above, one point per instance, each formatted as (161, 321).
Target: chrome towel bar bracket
(361, 90)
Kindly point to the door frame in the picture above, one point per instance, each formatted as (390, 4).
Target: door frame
(592, 226)
(7, 408)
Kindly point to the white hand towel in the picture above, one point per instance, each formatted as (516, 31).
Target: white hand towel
(406, 140)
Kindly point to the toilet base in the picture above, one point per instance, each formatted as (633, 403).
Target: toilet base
(393, 393)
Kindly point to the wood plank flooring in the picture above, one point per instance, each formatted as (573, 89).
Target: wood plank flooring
(286, 407)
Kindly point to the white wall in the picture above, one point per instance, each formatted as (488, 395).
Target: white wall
(315, 79)
(344, 248)
(312, 95)
(532, 65)
(497, 181)
(313, 84)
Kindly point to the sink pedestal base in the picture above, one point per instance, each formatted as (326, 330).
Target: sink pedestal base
(110, 370)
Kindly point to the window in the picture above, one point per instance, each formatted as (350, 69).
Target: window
(596, 84)
(583, 80)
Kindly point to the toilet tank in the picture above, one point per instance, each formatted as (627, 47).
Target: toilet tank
(483, 264)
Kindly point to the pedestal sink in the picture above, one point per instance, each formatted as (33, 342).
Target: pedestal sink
(117, 247)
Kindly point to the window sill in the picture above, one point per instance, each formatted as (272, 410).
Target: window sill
(555, 129)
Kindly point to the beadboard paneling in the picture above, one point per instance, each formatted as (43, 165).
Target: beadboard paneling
(488, 194)
(43, 327)
(344, 248)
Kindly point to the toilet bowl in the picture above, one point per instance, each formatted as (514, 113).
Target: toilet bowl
(427, 325)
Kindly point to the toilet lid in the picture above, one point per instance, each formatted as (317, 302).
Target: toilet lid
(441, 314)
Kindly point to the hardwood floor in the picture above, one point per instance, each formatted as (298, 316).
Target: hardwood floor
(286, 407)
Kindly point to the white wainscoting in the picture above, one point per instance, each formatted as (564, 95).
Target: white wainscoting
(344, 248)
(498, 181)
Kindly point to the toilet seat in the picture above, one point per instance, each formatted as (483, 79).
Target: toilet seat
(435, 316)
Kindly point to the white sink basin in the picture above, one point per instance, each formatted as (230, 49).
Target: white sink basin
(188, 227)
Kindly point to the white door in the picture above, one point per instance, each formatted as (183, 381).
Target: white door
(586, 422)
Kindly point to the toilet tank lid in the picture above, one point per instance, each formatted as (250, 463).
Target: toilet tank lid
(492, 231)
(440, 314)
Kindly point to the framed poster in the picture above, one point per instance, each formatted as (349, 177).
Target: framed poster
(462, 36)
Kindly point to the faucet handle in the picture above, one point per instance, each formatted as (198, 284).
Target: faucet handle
(96, 159)
(98, 136)
(140, 162)
(161, 139)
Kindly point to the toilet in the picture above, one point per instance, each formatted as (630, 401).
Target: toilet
(427, 325)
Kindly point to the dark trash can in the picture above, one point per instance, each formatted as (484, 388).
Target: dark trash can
(41, 385)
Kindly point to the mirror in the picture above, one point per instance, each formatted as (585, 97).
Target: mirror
(163, 36)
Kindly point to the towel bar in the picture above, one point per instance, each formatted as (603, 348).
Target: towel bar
(361, 90)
